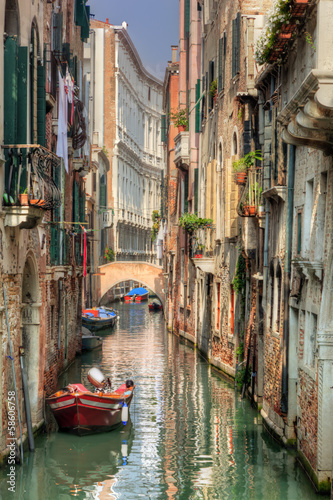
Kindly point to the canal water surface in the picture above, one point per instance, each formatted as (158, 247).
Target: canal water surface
(190, 436)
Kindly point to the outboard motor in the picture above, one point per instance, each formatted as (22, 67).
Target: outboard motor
(96, 378)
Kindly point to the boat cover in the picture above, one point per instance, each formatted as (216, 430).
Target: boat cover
(137, 291)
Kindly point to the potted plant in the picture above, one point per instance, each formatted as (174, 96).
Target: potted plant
(180, 119)
(241, 166)
(200, 251)
(213, 90)
(23, 197)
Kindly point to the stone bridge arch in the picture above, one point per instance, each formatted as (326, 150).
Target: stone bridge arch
(148, 274)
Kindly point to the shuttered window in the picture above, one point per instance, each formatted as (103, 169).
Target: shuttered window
(197, 107)
(57, 22)
(187, 18)
(236, 35)
(196, 189)
(41, 105)
(222, 54)
(163, 128)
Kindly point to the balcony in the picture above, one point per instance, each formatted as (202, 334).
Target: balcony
(29, 187)
(250, 201)
(182, 150)
(202, 248)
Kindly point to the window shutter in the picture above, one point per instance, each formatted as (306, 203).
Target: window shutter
(10, 90)
(79, 12)
(234, 50)
(163, 128)
(57, 32)
(220, 64)
(186, 192)
(224, 57)
(41, 105)
(196, 189)
(85, 26)
(238, 41)
(197, 107)
(22, 94)
(187, 18)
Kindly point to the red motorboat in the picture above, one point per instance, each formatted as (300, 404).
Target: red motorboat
(80, 411)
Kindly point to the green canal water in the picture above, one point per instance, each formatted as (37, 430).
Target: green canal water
(190, 436)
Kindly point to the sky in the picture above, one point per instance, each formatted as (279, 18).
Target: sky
(152, 26)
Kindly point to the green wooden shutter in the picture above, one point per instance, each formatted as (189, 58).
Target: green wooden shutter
(85, 26)
(10, 90)
(224, 58)
(197, 107)
(187, 18)
(22, 95)
(79, 12)
(41, 105)
(163, 129)
(186, 192)
(299, 233)
(196, 189)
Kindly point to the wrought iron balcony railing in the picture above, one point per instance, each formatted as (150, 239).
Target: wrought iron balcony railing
(251, 196)
(29, 176)
(203, 243)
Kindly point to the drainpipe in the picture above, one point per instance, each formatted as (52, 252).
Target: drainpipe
(287, 272)
(27, 403)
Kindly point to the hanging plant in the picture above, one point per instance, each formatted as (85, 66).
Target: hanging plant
(191, 222)
(180, 118)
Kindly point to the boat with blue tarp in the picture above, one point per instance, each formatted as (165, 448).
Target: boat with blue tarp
(98, 318)
(137, 294)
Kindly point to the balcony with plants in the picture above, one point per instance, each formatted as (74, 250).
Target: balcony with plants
(284, 20)
(30, 187)
(180, 120)
(251, 199)
(202, 237)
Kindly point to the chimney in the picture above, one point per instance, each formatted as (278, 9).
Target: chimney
(174, 52)
(107, 20)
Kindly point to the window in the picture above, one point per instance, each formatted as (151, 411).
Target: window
(148, 93)
(299, 232)
(222, 54)
(278, 293)
(308, 219)
(236, 38)
(271, 275)
(197, 107)
(310, 339)
(321, 215)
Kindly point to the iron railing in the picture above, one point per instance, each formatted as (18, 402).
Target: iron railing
(251, 196)
(203, 242)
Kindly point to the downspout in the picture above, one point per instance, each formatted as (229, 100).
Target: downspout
(59, 312)
(287, 273)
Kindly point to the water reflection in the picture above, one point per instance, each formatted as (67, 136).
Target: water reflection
(190, 437)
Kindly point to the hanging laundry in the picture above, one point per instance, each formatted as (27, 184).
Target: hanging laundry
(70, 93)
(62, 150)
(159, 242)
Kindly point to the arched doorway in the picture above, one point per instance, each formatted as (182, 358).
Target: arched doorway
(30, 330)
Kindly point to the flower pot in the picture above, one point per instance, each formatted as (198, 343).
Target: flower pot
(246, 209)
(38, 203)
(252, 210)
(23, 199)
(241, 177)
(198, 256)
(181, 128)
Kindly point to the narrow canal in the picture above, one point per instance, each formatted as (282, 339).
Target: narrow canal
(190, 436)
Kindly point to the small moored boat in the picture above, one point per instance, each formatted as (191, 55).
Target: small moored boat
(80, 411)
(137, 294)
(155, 306)
(98, 318)
(90, 341)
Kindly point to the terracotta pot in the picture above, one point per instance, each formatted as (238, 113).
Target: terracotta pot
(241, 177)
(23, 199)
(252, 210)
(181, 128)
(246, 209)
(38, 203)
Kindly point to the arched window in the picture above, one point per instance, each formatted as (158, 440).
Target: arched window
(234, 144)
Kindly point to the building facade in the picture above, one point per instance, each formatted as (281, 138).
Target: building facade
(251, 270)
(42, 198)
(127, 124)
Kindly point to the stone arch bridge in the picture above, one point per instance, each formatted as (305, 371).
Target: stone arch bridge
(148, 274)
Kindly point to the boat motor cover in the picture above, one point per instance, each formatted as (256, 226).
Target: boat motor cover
(96, 377)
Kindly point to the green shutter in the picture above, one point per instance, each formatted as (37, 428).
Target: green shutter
(197, 107)
(186, 192)
(224, 58)
(299, 233)
(85, 26)
(75, 202)
(57, 32)
(163, 128)
(22, 95)
(196, 189)
(187, 18)
(10, 90)
(41, 105)
(79, 13)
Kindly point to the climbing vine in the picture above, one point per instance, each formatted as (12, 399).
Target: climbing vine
(239, 281)
(156, 218)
